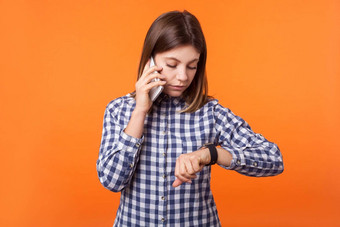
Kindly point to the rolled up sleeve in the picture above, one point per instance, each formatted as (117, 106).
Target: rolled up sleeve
(253, 155)
(119, 152)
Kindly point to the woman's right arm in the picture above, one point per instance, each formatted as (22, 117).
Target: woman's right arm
(143, 101)
(122, 138)
(119, 152)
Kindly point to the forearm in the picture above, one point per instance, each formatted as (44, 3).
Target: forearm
(117, 161)
(252, 154)
(259, 161)
(268, 161)
(135, 126)
(119, 152)
(144, 84)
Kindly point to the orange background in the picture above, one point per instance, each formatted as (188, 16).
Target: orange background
(274, 63)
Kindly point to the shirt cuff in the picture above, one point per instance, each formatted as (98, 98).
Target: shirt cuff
(130, 143)
(237, 161)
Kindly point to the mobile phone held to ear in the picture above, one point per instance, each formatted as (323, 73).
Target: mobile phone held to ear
(155, 91)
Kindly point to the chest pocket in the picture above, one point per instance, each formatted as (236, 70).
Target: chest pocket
(190, 145)
(194, 138)
(193, 130)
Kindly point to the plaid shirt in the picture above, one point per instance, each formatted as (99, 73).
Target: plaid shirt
(142, 169)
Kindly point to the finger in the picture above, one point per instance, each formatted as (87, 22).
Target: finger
(183, 171)
(197, 167)
(178, 170)
(151, 70)
(142, 82)
(191, 173)
(190, 167)
(152, 84)
(176, 183)
(153, 76)
(201, 167)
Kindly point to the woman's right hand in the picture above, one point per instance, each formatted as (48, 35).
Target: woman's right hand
(144, 85)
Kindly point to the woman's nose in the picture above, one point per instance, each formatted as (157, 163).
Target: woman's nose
(182, 75)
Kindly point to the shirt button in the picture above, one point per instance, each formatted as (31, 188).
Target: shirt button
(255, 164)
(163, 219)
(164, 154)
(164, 132)
(131, 165)
(162, 198)
(238, 162)
(137, 145)
(164, 176)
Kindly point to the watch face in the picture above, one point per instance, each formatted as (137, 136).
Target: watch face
(213, 153)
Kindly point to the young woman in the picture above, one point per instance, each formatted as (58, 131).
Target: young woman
(159, 154)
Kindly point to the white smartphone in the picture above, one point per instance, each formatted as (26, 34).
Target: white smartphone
(155, 91)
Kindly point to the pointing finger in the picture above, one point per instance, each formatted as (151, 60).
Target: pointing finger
(176, 183)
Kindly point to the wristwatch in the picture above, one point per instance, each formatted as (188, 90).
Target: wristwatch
(213, 153)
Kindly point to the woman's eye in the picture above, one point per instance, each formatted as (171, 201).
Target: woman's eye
(171, 66)
(193, 68)
(189, 67)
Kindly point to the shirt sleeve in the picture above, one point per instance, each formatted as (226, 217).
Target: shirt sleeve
(119, 152)
(253, 155)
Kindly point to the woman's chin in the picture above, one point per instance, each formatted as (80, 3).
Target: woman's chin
(173, 93)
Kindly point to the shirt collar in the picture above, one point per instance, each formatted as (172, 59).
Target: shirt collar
(164, 98)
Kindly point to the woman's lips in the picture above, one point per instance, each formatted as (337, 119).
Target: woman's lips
(177, 88)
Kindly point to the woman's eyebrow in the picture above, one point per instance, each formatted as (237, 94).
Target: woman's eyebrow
(173, 58)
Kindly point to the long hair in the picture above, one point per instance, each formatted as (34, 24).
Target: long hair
(174, 29)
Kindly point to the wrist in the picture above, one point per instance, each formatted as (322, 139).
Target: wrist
(205, 156)
(139, 112)
(212, 153)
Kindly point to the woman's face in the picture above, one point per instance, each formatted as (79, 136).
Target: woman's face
(179, 68)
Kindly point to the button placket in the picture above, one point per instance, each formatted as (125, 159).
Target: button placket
(162, 163)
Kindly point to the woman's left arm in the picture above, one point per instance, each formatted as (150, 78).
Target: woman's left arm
(252, 154)
(238, 148)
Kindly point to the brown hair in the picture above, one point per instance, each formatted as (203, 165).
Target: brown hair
(173, 29)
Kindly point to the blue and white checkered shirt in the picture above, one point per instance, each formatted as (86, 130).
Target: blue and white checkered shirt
(143, 169)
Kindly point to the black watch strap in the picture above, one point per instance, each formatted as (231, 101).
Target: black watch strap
(213, 153)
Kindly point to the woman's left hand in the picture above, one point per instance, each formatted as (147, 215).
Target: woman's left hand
(187, 165)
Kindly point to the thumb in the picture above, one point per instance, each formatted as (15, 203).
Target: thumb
(176, 183)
